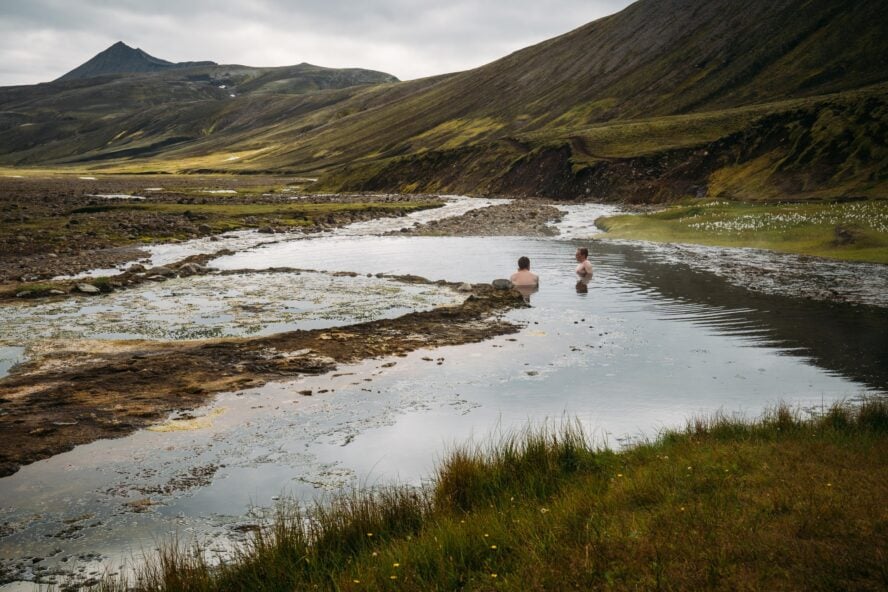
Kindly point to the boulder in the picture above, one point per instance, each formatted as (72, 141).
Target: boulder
(136, 268)
(465, 287)
(502, 284)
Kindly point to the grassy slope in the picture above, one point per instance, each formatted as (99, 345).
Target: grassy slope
(714, 66)
(779, 504)
(855, 231)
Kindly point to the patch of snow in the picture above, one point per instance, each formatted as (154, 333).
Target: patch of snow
(232, 95)
(218, 191)
(154, 189)
(230, 158)
(87, 178)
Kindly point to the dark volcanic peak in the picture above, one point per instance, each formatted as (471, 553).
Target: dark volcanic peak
(120, 58)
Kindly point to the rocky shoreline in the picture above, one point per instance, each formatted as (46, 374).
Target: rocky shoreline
(77, 392)
(522, 217)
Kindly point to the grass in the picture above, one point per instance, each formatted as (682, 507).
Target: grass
(781, 503)
(852, 231)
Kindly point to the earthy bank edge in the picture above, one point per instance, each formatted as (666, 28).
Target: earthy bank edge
(776, 504)
(109, 389)
(53, 224)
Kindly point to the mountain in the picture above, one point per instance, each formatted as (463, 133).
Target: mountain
(120, 58)
(666, 98)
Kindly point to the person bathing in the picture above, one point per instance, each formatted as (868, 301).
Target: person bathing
(524, 277)
(585, 267)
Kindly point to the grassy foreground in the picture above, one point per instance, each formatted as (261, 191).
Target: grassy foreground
(777, 504)
(851, 231)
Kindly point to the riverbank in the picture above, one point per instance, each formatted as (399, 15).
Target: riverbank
(56, 224)
(74, 392)
(847, 231)
(777, 503)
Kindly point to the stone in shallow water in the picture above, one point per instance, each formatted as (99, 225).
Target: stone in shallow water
(87, 289)
(465, 287)
(502, 284)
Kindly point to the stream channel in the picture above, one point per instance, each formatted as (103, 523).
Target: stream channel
(648, 343)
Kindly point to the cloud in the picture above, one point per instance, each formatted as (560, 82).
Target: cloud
(42, 39)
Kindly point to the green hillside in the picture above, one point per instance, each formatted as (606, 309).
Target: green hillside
(666, 98)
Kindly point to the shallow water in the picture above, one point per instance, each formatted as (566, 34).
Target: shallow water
(643, 346)
(212, 306)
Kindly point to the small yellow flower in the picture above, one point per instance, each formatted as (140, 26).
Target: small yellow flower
(829, 484)
(393, 577)
(682, 508)
(356, 581)
(543, 510)
(369, 534)
(492, 575)
(375, 553)
(619, 474)
(396, 565)
(493, 546)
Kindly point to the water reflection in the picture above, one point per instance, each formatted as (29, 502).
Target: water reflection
(527, 291)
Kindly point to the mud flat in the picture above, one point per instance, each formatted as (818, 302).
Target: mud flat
(86, 390)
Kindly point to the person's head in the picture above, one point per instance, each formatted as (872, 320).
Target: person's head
(582, 254)
(523, 263)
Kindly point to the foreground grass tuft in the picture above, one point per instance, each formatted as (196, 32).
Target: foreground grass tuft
(780, 503)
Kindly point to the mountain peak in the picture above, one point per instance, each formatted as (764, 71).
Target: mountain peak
(120, 58)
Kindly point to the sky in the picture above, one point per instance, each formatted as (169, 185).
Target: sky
(42, 39)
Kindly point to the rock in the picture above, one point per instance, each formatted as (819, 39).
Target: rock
(502, 284)
(161, 270)
(56, 293)
(88, 289)
(266, 230)
(30, 278)
(465, 287)
(204, 229)
(157, 278)
(136, 268)
(191, 269)
(23, 294)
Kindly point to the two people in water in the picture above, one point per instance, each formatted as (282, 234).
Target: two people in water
(524, 279)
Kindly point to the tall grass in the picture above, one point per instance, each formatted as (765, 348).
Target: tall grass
(780, 503)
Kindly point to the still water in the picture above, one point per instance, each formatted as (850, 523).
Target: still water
(643, 346)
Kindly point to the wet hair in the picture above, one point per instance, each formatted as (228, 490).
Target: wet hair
(583, 251)
(523, 263)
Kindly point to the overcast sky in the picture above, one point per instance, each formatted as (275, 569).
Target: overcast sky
(42, 39)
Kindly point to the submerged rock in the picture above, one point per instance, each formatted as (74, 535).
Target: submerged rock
(502, 284)
(161, 270)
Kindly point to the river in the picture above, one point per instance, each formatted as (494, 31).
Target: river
(648, 343)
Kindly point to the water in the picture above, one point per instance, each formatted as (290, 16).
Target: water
(643, 346)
